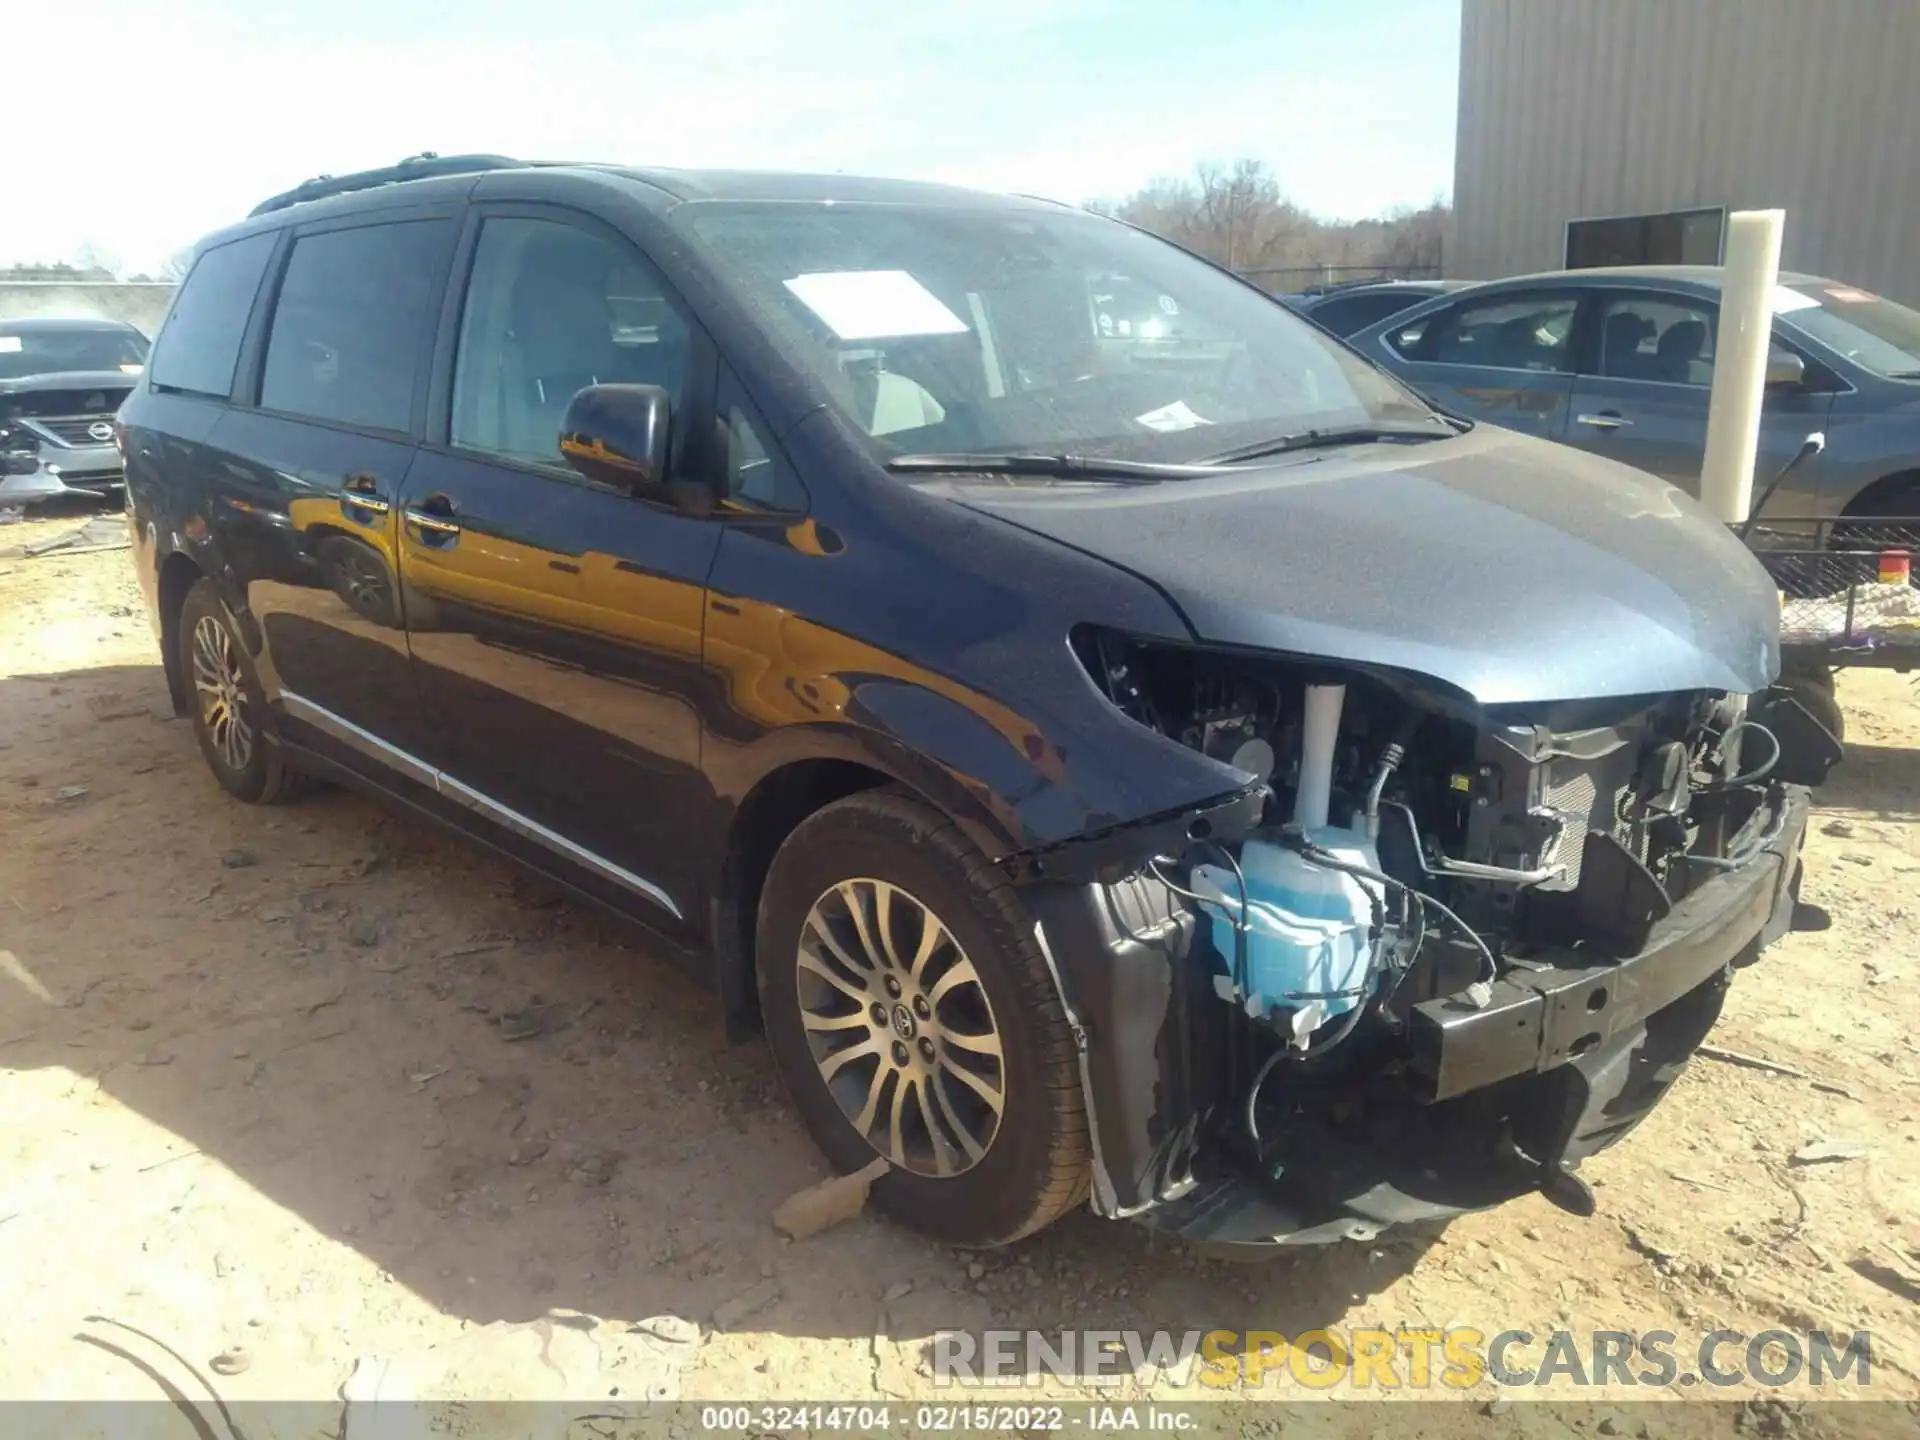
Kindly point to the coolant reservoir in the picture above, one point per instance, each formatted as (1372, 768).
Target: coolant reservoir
(1308, 947)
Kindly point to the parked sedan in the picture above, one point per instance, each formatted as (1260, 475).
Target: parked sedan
(1345, 310)
(1117, 743)
(60, 382)
(1619, 362)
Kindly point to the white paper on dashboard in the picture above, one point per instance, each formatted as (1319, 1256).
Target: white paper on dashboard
(1177, 416)
(874, 304)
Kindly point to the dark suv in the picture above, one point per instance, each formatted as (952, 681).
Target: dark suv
(1170, 764)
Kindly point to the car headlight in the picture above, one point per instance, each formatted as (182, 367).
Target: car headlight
(19, 451)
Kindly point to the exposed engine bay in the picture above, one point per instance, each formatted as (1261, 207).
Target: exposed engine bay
(1431, 974)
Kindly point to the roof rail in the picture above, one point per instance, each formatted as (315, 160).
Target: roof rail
(423, 166)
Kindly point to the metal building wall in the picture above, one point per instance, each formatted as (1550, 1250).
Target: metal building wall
(1572, 109)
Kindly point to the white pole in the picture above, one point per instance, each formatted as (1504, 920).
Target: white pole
(1740, 362)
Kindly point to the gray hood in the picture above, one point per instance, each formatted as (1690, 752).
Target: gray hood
(1513, 569)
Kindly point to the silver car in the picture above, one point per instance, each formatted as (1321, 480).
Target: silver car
(60, 383)
(1620, 361)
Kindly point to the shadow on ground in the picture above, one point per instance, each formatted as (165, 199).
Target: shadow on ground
(310, 996)
(1879, 780)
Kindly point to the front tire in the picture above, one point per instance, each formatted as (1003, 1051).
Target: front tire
(913, 1018)
(229, 708)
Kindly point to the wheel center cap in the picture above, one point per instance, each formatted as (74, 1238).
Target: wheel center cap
(903, 1025)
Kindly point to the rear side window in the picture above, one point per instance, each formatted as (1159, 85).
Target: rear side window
(350, 327)
(200, 343)
(1350, 314)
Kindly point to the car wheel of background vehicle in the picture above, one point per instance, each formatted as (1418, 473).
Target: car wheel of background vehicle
(1811, 683)
(913, 1018)
(229, 708)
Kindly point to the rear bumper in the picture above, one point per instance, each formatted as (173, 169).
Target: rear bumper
(1486, 1105)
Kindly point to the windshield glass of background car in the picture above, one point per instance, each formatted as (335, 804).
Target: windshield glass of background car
(56, 352)
(1873, 333)
(1018, 331)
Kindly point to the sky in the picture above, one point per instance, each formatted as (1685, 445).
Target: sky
(171, 120)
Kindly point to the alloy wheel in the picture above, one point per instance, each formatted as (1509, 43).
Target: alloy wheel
(366, 584)
(900, 1027)
(221, 690)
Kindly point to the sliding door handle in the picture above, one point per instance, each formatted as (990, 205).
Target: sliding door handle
(362, 491)
(430, 522)
(1605, 420)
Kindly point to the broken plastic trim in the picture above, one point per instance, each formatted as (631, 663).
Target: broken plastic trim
(1116, 850)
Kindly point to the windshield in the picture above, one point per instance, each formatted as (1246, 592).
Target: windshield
(976, 330)
(46, 351)
(1873, 333)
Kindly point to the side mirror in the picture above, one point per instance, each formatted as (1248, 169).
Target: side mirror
(616, 435)
(1785, 369)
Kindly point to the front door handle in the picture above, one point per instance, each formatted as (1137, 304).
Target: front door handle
(434, 517)
(361, 491)
(1605, 420)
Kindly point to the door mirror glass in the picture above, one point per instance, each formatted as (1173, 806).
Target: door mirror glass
(1785, 369)
(616, 435)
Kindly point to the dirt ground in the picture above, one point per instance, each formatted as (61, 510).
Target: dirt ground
(257, 1101)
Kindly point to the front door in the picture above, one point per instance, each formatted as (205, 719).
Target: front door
(1642, 392)
(1505, 358)
(555, 623)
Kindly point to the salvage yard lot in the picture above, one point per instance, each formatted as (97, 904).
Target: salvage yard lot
(316, 1086)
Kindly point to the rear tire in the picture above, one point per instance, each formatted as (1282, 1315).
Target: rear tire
(847, 961)
(229, 709)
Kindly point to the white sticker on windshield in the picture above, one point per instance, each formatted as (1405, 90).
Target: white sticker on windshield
(1786, 301)
(1177, 416)
(874, 304)
(9, 344)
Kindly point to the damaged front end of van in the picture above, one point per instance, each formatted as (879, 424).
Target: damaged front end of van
(1484, 886)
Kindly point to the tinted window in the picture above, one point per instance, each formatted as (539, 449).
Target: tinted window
(1507, 332)
(200, 343)
(550, 310)
(1681, 237)
(1348, 314)
(1661, 338)
(350, 326)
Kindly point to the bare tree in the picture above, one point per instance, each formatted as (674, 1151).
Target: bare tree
(1238, 215)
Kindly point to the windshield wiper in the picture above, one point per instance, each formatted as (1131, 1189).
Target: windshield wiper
(1320, 439)
(1059, 467)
